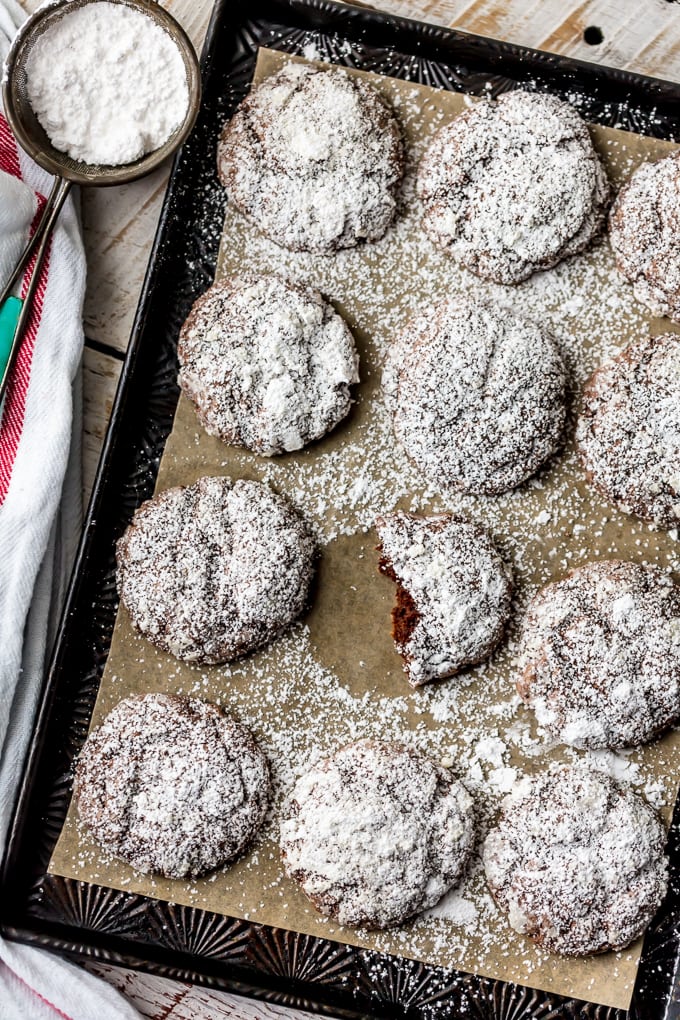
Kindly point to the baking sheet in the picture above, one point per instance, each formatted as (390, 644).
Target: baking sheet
(336, 677)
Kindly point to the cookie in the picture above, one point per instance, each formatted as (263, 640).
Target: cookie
(173, 786)
(478, 396)
(268, 364)
(577, 861)
(216, 569)
(376, 834)
(644, 230)
(453, 592)
(601, 655)
(628, 431)
(513, 186)
(314, 158)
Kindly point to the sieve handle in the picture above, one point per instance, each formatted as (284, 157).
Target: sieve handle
(15, 311)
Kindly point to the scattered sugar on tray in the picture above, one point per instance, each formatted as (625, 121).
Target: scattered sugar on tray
(491, 749)
(310, 51)
(656, 793)
(618, 765)
(107, 83)
(519, 734)
(503, 779)
(455, 908)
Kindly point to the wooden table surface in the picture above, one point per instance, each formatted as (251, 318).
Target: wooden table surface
(119, 225)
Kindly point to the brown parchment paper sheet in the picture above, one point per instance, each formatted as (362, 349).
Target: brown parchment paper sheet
(337, 677)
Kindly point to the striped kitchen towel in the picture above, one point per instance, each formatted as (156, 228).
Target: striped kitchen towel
(40, 480)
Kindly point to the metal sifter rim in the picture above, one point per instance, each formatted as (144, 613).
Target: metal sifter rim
(32, 136)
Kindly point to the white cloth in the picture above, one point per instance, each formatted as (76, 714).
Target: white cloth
(38, 532)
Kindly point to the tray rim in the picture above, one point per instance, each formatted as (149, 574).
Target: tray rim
(91, 944)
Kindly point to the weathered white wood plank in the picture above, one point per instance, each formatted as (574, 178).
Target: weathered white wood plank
(157, 998)
(641, 35)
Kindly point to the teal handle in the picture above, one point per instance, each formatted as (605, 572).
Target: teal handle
(9, 317)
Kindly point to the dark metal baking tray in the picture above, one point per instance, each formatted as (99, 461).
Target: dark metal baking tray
(80, 919)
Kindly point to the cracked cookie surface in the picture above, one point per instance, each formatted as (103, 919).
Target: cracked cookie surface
(213, 570)
(644, 230)
(268, 364)
(478, 396)
(601, 655)
(377, 833)
(628, 431)
(577, 861)
(172, 785)
(453, 592)
(513, 186)
(314, 158)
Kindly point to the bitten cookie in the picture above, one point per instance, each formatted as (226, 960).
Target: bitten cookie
(601, 652)
(478, 396)
(577, 862)
(172, 785)
(376, 834)
(314, 158)
(513, 186)
(628, 432)
(453, 592)
(213, 570)
(644, 230)
(268, 364)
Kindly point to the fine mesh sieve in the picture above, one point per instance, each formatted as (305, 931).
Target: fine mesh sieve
(33, 139)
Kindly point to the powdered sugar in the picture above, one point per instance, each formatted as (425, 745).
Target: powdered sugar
(577, 862)
(628, 430)
(172, 785)
(377, 833)
(602, 655)
(459, 588)
(107, 83)
(478, 396)
(268, 364)
(215, 569)
(513, 186)
(314, 158)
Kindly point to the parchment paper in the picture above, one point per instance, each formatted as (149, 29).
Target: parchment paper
(336, 676)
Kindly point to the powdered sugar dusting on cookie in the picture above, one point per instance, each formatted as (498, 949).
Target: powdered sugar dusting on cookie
(268, 364)
(215, 569)
(577, 862)
(172, 785)
(628, 431)
(601, 651)
(644, 229)
(377, 833)
(459, 587)
(478, 396)
(513, 186)
(314, 158)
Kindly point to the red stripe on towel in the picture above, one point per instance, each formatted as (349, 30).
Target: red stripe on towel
(42, 998)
